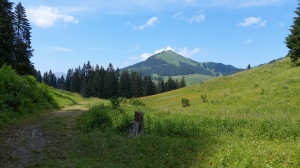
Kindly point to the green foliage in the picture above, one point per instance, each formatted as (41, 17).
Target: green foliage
(22, 95)
(293, 39)
(115, 102)
(185, 102)
(136, 102)
(97, 117)
(204, 99)
(262, 91)
(23, 51)
(15, 49)
(285, 87)
(7, 33)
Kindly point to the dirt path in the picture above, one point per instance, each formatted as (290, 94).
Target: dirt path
(34, 141)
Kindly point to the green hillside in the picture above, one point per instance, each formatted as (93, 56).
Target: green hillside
(260, 88)
(189, 79)
(169, 63)
(172, 58)
(249, 119)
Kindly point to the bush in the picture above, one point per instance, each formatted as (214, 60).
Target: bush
(97, 117)
(204, 99)
(115, 102)
(21, 95)
(185, 102)
(136, 102)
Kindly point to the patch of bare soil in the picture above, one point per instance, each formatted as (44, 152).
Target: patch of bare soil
(23, 146)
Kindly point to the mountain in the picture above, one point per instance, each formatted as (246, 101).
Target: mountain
(169, 63)
(59, 74)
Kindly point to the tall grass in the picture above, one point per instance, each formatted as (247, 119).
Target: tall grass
(21, 95)
(250, 119)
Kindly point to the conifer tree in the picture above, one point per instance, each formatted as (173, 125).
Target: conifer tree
(22, 46)
(136, 84)
(110, 83)
(6, 33)
(149, 86)
(76, 80)
(182, 82)
(61, 83)
(293, 40)
(96, 85)
(46, 78)
(69, 77)
(39, 76)
(124, 84)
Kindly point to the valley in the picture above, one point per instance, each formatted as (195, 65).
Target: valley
(249, 119)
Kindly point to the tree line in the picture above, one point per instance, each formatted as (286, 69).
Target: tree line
(90, 81)
(15, 43)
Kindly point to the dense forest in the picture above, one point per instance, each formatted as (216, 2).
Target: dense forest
(95, 81)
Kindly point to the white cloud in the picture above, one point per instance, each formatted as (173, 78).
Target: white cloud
(199, 17)
(151, 22)
(256, 21)
(145, 56)
(188, 53)
(62, 49)
(170, 48)
(177, 14)
(159, 51)
(46, 17)
(247, 41)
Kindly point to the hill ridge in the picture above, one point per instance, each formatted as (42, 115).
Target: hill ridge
(170, 63)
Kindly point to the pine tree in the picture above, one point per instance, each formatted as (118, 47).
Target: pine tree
(6, 33)
(69, 77)
(182, 82)
(136, 84)
(61, 83)
(46, 78)
(110, 83)
(149, 86)
(23, 50)
(39, 77)
(124, 84)
(96, 85)
(293, 40)
(76, 81)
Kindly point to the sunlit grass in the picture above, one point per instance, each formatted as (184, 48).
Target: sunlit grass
(251, 119)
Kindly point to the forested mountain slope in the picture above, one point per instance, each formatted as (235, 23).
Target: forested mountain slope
(169, 63)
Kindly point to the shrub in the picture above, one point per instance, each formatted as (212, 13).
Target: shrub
(204, 99)
(21, 95)
(185, 102)
(97, 117)
(115, 102)
(136, 102)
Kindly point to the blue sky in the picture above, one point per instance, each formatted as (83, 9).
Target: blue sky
(68, 33)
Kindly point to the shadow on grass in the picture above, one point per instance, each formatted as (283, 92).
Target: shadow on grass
(65, 97)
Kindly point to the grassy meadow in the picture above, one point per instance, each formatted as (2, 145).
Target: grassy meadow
(249, 119)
